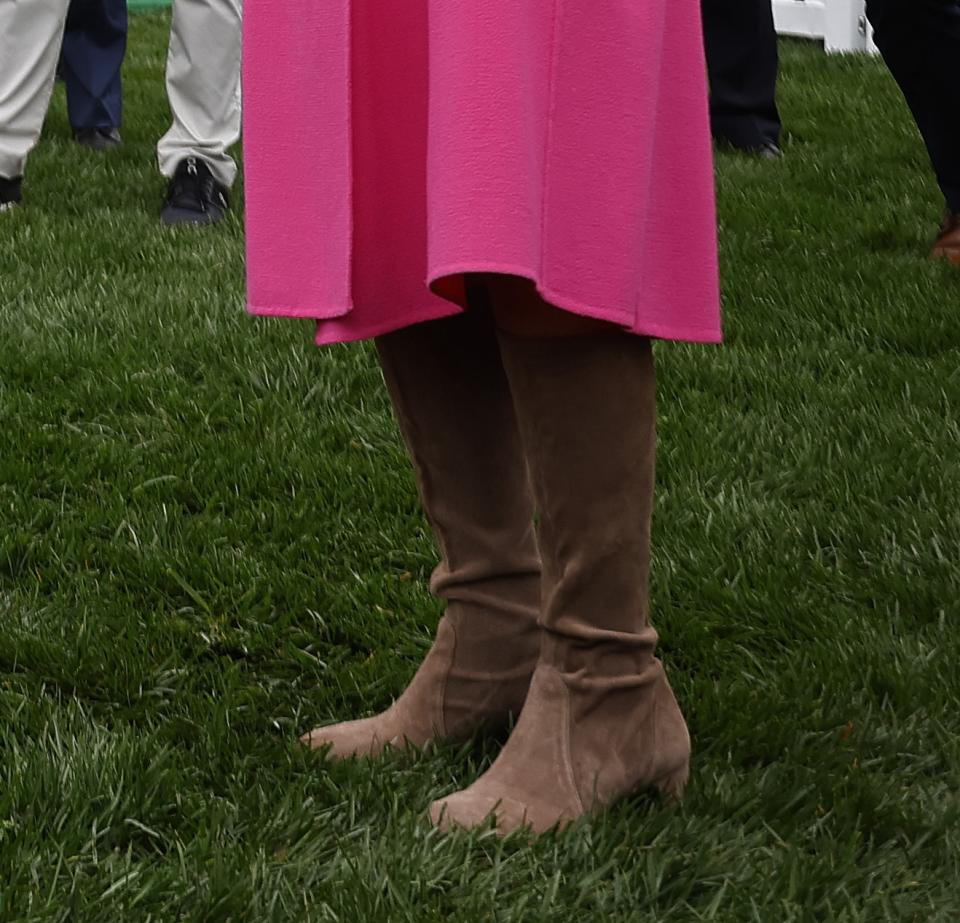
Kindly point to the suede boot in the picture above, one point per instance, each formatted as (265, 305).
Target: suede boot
(601, 720)
(453, 404)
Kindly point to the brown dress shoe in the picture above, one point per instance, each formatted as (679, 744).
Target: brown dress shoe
(947, 246)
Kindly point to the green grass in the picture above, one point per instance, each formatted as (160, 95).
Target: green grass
(208, 527)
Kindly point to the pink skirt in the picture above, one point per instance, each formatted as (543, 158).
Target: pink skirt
(392, 147)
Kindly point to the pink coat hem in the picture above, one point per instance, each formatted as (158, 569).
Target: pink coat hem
(329, 331)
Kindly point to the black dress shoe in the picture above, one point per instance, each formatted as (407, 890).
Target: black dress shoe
(194, 196)
(98, 139)
(11, 192)
(765, 149)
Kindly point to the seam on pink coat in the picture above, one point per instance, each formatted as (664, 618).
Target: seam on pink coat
(352, 219)
(548, 134)
(650, 165)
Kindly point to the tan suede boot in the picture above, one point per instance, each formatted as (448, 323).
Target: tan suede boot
(452, 401)
(600, 720)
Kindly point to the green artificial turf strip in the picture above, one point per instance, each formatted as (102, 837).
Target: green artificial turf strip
(210, 541)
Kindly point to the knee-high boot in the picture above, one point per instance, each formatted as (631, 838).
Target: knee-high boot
(453, 404)
(600, 720)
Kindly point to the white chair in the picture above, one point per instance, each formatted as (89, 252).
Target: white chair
(842, 24)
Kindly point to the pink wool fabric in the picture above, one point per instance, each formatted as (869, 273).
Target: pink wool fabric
(392, 147)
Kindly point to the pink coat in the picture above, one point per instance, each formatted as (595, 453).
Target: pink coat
(392, 145)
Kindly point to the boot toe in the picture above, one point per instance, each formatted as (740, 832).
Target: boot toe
(348, 739)
(469, 810)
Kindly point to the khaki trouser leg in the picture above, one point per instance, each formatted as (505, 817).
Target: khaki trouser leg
(31, 32)
(203, 86)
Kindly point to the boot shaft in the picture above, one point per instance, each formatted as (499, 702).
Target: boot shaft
(587, 412)
(453, 404)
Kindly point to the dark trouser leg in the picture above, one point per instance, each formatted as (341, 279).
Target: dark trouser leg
(94, 45)
(920, 42)
(743, 62)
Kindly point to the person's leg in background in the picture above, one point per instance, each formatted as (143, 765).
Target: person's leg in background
(94, 46)
(920, 42)
(743, 63)
(203, 88)
(30, 35)
(600, 720)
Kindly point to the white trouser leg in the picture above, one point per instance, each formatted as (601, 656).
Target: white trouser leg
(203, 85)
(31, 32)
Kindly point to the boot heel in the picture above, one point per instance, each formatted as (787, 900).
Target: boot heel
(672, 784)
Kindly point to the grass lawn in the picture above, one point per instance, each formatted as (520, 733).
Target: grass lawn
(210, 540)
